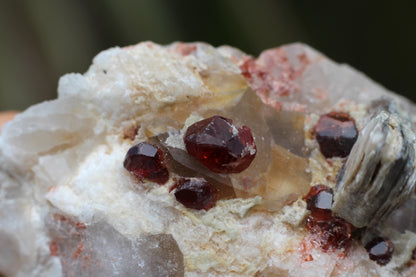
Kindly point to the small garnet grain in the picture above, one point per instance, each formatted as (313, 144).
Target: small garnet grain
(147, 161)
(336, 134)
(319, 202)
(219, 145)
(380, 250)
(332, 233)
(196, 193)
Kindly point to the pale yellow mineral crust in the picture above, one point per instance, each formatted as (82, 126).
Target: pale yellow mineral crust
(68, 207)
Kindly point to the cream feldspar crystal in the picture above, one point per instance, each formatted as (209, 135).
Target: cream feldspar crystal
(69, 208)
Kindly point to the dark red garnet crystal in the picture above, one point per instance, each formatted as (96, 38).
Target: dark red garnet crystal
(319, 201)
(195, 193)
(219, 145)
(331, 232)
(380, 250)
(147, 161)
(336, 134)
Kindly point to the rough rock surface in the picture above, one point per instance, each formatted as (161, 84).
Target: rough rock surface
(69, 208)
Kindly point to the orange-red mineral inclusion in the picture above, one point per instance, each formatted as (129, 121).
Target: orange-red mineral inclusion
(219, 145)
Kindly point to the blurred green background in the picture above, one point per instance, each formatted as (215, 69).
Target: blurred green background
(42, 39)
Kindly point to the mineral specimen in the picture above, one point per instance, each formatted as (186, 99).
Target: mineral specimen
(69, 207)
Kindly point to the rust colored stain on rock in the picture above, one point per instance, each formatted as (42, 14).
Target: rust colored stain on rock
(81, 225)
(53, 248)
(131, 132)
(185, 49)
(78, 252)
(67, 239)
(273, 76)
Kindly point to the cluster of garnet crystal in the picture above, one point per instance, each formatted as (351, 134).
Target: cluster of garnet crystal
(215, 142)
(331, 232)
(336, 134)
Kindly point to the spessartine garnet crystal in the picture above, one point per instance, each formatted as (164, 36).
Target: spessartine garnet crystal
(195, 193)
(147, 161)
(219, 145)
(336, 134)
(319, 201)
(380, 250)
(330, 232)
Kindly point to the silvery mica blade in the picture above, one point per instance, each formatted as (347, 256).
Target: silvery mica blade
(379, 175)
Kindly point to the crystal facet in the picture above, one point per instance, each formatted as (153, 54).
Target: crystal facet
(319, 201)
(219, 145)
(380, 250)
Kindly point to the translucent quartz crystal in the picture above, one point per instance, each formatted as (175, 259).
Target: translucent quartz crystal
(277, 174)
(287, 129)
(99, 250)
(287, 179)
